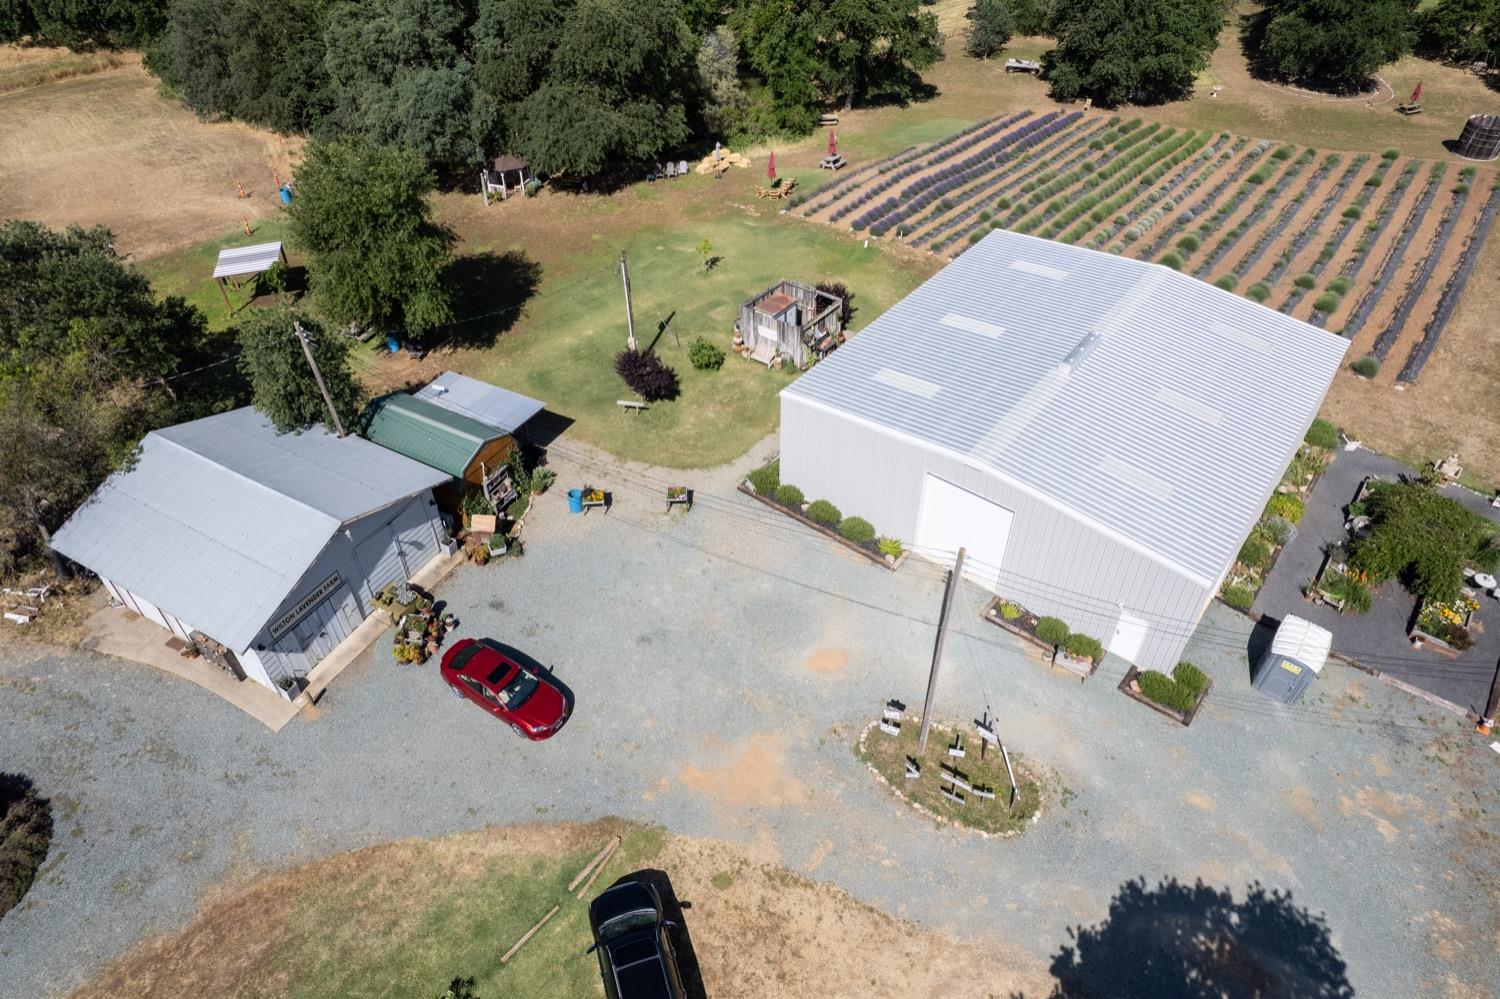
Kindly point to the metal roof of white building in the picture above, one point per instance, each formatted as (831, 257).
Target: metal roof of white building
(219, 518)
(238, 261)
(1155, 406)
(480, 400)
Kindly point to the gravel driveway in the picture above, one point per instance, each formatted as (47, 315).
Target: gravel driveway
(723, 661)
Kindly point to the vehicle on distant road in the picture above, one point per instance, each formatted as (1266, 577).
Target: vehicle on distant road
(636, 958)
(528, 702)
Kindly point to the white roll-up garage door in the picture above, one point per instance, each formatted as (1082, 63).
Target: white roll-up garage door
(954, 518)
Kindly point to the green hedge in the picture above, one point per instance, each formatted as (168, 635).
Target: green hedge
(789, 495)
(1323, 434)
(857, 529)
(766, 478)
(1238, 597)
(1084, 647)
(1053, 631)
(1368, 366)
(824, 512)
(1178, 692)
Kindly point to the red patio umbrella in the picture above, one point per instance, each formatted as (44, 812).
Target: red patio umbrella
(771, 166)
(833, 143)
(1416, 95)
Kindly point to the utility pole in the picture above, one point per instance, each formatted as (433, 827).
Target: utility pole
(937, 651)
(1487, 722)
(318, 377)
(629, 312)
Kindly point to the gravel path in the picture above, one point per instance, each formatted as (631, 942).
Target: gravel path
(723, 661)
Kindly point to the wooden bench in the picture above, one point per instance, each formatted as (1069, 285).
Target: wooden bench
(630, 406)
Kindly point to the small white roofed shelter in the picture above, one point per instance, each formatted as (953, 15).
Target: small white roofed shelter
(238, 262)
(504, 175)
(1098, 433)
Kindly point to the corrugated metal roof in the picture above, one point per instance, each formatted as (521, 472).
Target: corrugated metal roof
(219, 518)
(1091, 380)
(427, 432)
(480, 400)
(238, 261)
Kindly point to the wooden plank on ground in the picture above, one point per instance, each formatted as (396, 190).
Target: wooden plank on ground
(529, 934)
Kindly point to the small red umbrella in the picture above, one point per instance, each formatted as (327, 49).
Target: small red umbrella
(1416, 95)
(771, 166)
(833, 143)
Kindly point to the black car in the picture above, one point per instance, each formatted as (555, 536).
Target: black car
(636, 959)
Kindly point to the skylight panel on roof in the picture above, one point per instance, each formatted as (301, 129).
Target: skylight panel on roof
(1192, 407)
(906, 383)
(1141, 479)
(1040, 270)
(1241, 337)
(968, 325)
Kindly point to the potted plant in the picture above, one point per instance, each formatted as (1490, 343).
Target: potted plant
(448, 544)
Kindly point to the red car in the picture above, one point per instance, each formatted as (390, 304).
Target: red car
(528, 703)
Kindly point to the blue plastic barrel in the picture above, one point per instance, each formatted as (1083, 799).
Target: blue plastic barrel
(392, 344)
(286, 194)
(575, 500)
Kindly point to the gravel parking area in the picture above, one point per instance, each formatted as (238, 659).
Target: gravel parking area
(1378, 639)
(723, 661)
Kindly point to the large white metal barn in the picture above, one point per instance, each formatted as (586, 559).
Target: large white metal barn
(1100, 434)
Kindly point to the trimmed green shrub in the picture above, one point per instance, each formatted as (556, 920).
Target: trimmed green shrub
(1003, 204)
(1259, 177)
(1306, 282)
(891, 547)
(1254, 553)
(789, 495)
(766, 478)
(1460, 188)
(1322, 434)
(1352, 213)
(1189, 676)
(705, 355)
(1053, 631)
(1368, 366)
(1284, 153)
(985, 216)
(1390, 154)
(1258, 292)
(1327, 302)
(1466, 172)
(1084, 647)
(1288, 508)
(1227, 282)
(1164, 691)
(1238, 597)
(1373, 181)
(1188, 243)
(1171, 260)
(824, 512)
(857, 529)
(976, 236)
(1339, 285)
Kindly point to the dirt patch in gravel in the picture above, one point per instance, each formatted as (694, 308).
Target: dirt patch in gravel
(828, 661)
(755, 776)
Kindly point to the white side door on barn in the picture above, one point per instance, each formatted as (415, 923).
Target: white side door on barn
(952, 518)
(1129, 637)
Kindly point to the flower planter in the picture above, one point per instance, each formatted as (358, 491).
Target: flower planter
(1131, 689)
(1081, 668)
(1022, 627)
(871, 551)
(1426, 636)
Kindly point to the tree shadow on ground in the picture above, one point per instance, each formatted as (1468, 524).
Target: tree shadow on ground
(1177, 941)
(490, 292)
(682, 940)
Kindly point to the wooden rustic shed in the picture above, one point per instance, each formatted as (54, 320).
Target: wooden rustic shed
(791, 320)
(475, 454)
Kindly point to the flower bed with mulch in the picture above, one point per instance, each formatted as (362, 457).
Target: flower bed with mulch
(1130, 686)
(869, 549)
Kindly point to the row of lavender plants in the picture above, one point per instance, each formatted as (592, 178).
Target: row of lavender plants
(1314, 225)
(1045, 186)
(1271, 233)
(946, 149)
(1454, 287)
(1333, 295)
(1373, 231)
(978, 213)
(1395, 253)
(921, 193)
(1258, 211)
(1138, 223)
(1090, 176)
(1029, 152)
(1418, 283)
(1135, 185)
(1190, 214)
(1190, 243)
(1168, 178)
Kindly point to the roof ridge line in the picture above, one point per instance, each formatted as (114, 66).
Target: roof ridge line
(245, 478)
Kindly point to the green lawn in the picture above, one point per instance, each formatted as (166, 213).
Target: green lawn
(189, 272)
(405, 932)
(563, 350)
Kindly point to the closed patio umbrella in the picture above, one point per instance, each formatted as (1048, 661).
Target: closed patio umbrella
(771, 166)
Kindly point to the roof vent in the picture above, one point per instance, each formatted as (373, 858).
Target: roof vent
(1084, 349)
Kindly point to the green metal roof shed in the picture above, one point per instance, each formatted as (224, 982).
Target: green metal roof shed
(441, 438)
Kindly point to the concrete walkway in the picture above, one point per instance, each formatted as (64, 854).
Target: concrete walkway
(1378, 639)
(723, 661)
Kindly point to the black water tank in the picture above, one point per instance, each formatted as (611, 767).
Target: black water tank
(1481, 137)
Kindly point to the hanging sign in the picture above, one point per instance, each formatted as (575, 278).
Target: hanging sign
(284, 623)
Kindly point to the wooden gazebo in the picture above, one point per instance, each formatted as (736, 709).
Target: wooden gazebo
(504, 175)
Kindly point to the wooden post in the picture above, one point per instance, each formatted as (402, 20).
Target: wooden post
(318, 377)
(229, 309)
(529, 934)
(937, 651)
(1487, 722)
(484, 188)
(629, 312)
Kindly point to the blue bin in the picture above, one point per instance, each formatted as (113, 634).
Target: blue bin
(392, 344)
(575, 500)
(286, 194)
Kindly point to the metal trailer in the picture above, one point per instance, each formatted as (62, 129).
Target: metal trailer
(1297, 655)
